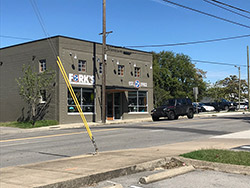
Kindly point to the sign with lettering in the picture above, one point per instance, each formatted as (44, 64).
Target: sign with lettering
(137, 84)
(81, 79)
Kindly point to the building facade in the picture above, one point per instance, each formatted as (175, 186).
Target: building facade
(129, 80)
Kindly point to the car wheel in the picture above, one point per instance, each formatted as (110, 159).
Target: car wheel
(226, 108)
(154, 118)
(190, 114)
(171, 115)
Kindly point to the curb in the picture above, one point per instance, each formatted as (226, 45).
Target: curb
(95, 178)
(166, 174)
(220, 167)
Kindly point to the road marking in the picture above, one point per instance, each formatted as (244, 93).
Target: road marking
(157, 130)
(55, 135)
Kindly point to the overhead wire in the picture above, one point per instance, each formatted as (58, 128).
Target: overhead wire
(40, 19)
(231, 6)
(227, 9)
(217, 63)
(208, 14)
(188, 43)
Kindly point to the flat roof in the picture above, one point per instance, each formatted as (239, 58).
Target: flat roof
(57, 36)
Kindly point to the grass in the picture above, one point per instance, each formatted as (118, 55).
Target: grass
(221, 156)
(25, 125)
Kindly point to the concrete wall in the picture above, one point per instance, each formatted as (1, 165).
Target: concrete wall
(12, 106)
(70, 51)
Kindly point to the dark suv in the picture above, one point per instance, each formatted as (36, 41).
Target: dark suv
(173, 108)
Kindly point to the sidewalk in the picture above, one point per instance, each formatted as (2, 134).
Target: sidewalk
(88, 169)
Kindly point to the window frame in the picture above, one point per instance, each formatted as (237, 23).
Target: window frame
(137, 72)
(137, 106)
(42, 65)
(121, 70)
(82, 65)
(82, 105)
(100, 67)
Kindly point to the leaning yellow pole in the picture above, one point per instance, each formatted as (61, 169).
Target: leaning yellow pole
(59, 63)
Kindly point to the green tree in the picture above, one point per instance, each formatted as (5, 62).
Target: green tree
(30, 87)
(175, 76)
(230, 88)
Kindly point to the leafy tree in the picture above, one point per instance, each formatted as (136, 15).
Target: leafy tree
(229, 88)
(30, 87)
(175, 76)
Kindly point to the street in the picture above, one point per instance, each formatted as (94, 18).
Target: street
(31, 147)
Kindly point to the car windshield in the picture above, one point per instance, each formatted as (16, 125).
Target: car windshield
(170, 102)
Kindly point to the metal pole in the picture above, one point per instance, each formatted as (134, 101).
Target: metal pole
(248, 76)
(239, 87)
(104, 58)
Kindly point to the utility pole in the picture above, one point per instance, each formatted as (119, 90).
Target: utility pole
(239, 87)
(248, 76)
(104, 58)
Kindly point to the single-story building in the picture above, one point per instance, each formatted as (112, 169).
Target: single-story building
(129, 80)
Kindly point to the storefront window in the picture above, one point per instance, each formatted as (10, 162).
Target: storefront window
(137, 101)
(85, 98)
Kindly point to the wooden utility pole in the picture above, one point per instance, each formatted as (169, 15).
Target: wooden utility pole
(104, 58)
(248, 76)
(239, 86)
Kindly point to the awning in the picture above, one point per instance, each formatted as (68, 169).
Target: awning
(119, 89)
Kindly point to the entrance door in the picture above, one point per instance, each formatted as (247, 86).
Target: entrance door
(110, 106)
(113, 106)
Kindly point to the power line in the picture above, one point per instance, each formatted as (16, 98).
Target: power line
(207, 14)
(188, 43)
(240, 9)
(217, 63)
(14, 37)
(227, 9)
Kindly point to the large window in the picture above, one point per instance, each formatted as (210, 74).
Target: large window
(137, 101)
(82, 66)
(85, 98)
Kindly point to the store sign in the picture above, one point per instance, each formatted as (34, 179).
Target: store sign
(81, 79)
(137, 84)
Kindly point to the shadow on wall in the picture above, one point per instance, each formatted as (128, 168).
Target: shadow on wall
(41, 110)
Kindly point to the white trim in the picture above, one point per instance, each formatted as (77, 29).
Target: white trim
(138, 113)
(77, 113)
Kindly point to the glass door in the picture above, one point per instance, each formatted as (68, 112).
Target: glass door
(117, 105)
(110, 106)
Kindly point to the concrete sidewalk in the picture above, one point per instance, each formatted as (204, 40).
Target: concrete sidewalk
(88, 169)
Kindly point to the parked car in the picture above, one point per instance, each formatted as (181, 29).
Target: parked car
(223, 104)
(243, 105)
(173, 108)
(201, 107)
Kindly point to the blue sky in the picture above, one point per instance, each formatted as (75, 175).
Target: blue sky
(136, 22)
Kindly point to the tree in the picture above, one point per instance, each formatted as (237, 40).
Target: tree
(229, 88)
(31, 87)
(175, 77)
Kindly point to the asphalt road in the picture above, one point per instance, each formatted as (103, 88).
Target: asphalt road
(25, 148)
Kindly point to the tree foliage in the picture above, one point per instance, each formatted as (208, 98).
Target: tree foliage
(228, 88)
(175, 76)
(30, 87)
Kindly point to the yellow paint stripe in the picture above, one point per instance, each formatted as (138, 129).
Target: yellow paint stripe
(55, 135)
